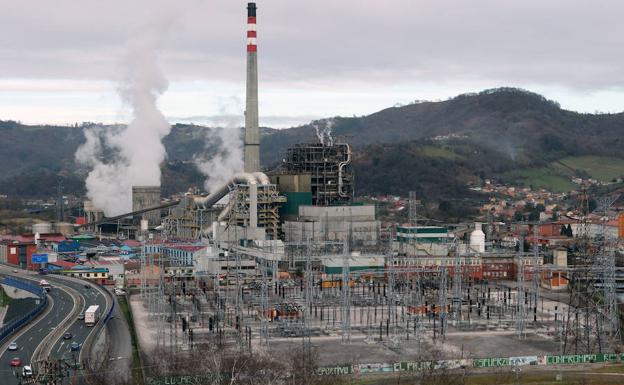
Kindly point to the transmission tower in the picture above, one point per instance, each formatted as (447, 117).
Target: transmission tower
(520, 297)
(391, 298)
(442, 298)
(537, 267)
(593, 295)
(239, 300)
(308, 294)
(457, 285)
(606, 270)
(418, 303)
(264, 304)
(346, 295)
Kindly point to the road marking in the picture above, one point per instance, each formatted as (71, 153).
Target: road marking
(30, 339)
(60, 347)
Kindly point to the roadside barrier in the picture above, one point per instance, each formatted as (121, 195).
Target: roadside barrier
(14, 325)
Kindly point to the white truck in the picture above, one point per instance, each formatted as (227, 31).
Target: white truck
(92, 315)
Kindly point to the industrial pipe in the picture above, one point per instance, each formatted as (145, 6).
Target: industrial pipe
(262, 178)
(226, 210)
(341, 165)
(240, 178)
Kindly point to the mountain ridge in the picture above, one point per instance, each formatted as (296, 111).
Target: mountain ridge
(444, 145)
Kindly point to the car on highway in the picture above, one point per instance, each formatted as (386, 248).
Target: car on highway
(87, 286)
(67, 336)
(119, 292)
(81, 316)
(15, 271)
(27, 371)
(74, 347)
(16, 361)
(13, 346)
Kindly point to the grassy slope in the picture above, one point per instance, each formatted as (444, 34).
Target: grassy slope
(599, 167)
(557, 175)
(544, 177)
(437, 152)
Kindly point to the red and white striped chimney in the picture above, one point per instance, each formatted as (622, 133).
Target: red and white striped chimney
(252, 133)
(251, 27)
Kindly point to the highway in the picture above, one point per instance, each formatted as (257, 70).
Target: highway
(78, 329)
(31, 335)
(61, 306)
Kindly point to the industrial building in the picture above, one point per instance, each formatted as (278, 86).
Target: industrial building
(356, 224)
(92, 213)
(144, 197)
(318, 173)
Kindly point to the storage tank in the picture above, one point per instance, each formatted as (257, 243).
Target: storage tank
(42, 228)
(477, 239)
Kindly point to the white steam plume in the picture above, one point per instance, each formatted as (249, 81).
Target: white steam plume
(323, 129)
(224, 154)
(120, 157)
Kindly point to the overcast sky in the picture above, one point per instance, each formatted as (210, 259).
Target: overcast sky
(61, 60)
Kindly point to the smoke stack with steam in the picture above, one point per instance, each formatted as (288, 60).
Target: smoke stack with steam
(252, 134)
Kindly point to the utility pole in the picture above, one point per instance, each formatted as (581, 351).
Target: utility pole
(60, 212)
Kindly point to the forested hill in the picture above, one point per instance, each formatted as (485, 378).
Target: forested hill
(523, 124)
(436, 148)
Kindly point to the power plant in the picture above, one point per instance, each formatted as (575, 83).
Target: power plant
(286, 257)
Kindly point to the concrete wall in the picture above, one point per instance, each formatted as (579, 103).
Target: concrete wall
(233, 234)
(358, 231)
(337, 213)
(219, 266)
(421, 248)
(292, 182)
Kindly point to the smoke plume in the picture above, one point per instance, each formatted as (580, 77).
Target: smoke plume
(123, 156)
(323, 129)
(223, 157)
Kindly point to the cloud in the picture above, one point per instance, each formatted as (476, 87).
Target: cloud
(331, 46)
(573, 43)
(136, 150)
(230, 120)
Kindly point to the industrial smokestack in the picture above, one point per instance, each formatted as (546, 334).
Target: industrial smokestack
(252, 134)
